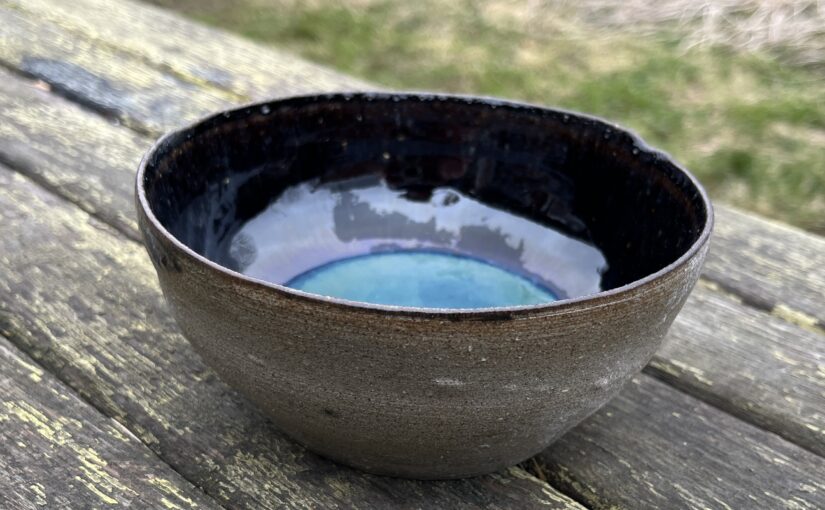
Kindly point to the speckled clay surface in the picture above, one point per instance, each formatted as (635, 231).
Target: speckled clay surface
(426, 393)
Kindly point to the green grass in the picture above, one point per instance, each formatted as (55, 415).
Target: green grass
(749, 126)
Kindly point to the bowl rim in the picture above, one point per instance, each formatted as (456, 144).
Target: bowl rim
(622, 292)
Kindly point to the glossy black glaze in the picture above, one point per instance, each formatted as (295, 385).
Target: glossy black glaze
(574, 173)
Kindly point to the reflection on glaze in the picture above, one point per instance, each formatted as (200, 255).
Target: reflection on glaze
(313, 224)
(423, 279)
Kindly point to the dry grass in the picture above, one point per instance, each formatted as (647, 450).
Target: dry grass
(792, 27)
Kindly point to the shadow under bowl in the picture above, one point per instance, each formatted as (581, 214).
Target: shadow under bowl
(423, 392)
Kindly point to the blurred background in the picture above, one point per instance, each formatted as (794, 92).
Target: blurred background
(735, 89)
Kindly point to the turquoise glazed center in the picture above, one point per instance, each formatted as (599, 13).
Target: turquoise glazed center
(424, 279)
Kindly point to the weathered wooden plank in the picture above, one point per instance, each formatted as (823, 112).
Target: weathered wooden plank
(191, 50)
(96, 318)
(99, 77)
(756, 366)
(773, 266)
(66, 148)
(653, 448)
(56, 451)
(716, 345)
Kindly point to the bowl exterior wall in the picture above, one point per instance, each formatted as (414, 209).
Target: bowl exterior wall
(417, 395)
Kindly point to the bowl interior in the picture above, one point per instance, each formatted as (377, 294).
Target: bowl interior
(597, 185)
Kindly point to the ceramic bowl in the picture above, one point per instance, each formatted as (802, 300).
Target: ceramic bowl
(421, 392)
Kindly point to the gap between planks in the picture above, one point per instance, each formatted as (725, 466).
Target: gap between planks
(67, 392)
(183, 76)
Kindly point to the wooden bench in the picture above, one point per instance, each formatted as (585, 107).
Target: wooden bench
(103, 403)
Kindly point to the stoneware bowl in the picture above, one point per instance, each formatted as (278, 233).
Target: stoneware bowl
(421, 392)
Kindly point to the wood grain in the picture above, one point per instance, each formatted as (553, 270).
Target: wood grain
(772, 266)
(84, 303)
(56, 451)
(115, 83)
(190, 50)
(69, 150)
(652, 447)
(754, 365)
(719, 349)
